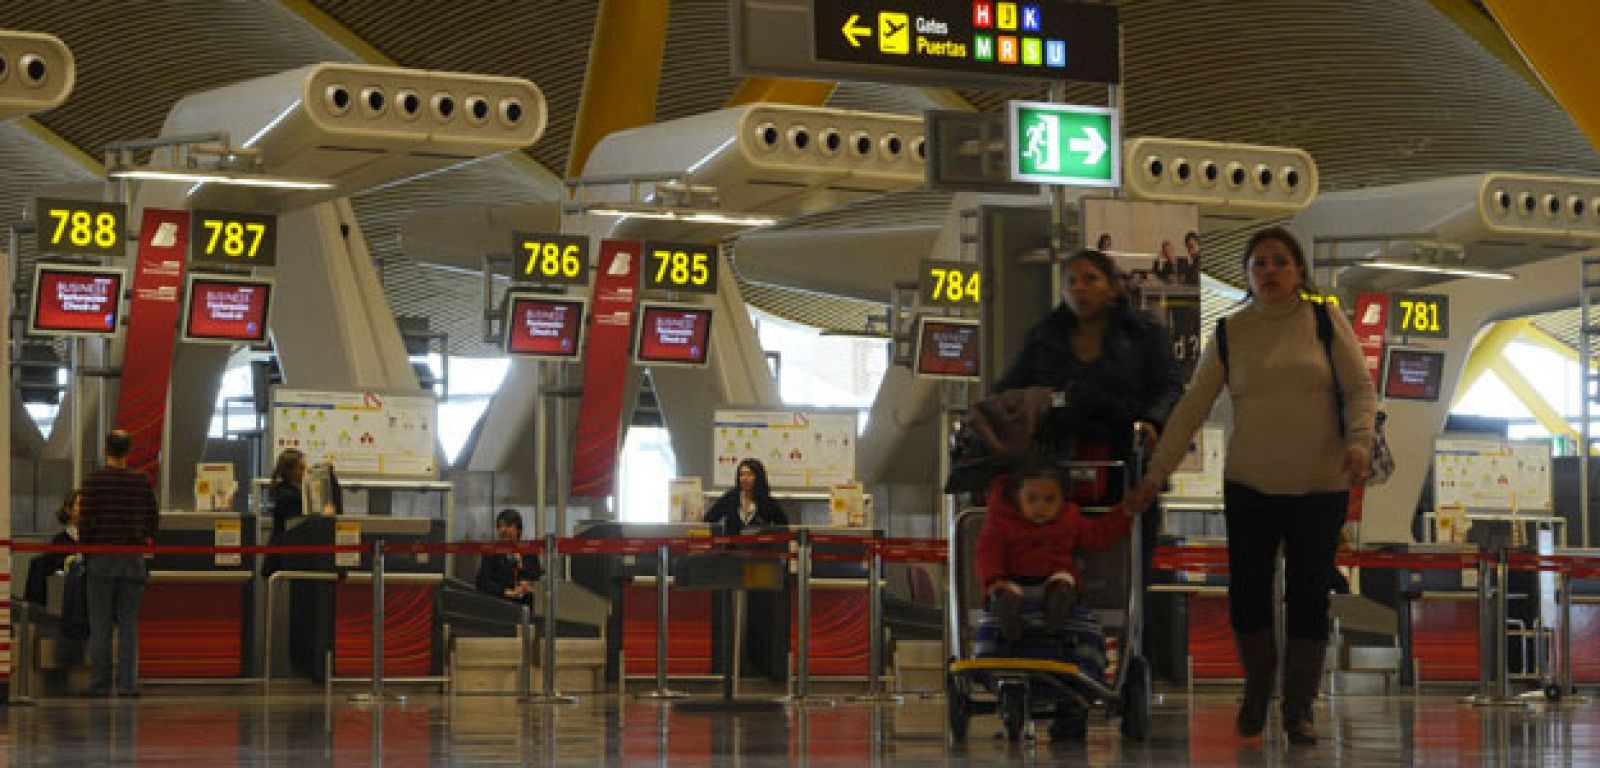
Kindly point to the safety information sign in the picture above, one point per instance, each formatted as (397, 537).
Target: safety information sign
(801, 450)
(367, 434)
(1491, 474)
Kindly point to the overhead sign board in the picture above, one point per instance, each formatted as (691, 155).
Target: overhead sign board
(1034, 40)
(1420, 315)
(229, 238)
(1065, 144)
(545, 259)
(80, 226)
(948, 43)
(688, 267)
(950, 283)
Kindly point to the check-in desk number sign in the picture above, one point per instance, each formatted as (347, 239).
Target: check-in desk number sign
(228, 533)
(680, 267)
(545, 259)
(227, 238)
(80, 226)
(344, 535)
(951, 284)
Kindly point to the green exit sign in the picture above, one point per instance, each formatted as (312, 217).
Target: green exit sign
(1065, 144)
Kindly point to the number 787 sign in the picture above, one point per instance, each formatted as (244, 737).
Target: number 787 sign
(1064, 144)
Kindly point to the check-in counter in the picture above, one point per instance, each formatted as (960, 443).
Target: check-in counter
(327, 603)
(195, 620)
(1438, 619)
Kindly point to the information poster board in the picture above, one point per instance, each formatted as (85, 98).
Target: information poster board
(1491, 474)
(1200, 474)
(364, 434)
(1157, 247)
(802, 450)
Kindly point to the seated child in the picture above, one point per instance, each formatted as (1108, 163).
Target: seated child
(1028, 539)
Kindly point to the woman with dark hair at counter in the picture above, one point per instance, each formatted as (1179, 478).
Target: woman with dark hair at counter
(748, 503)
(510, 576)
(284, 491)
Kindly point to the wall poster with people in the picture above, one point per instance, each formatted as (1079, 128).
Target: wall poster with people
(1157, 248)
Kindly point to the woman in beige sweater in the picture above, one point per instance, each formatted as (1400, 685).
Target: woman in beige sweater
(1292, 458)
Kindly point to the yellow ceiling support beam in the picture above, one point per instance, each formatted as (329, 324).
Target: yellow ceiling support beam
(1481, 28)
(1484, 354)
(1556, 38)
(57, 142)
(624, 74)
(1547, 416)
(780, 90)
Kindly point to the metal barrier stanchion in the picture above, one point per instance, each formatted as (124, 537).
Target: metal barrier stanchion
(525, 659)
(1485, 692)
(1564, 581)
(662, 691)
(23, 660)
(375, 693)
(875, 692)
(802, 694)
(553, 570)
(1502, 659)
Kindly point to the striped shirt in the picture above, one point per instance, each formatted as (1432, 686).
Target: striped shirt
(119, 507)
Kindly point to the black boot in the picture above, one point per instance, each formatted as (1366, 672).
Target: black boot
(1258, 653)
(1007, 607)
(1059, 599)
(1302, 677)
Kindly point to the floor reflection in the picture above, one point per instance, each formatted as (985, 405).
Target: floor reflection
(304, 731)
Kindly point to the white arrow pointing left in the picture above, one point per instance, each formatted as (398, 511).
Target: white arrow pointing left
(1092, 144)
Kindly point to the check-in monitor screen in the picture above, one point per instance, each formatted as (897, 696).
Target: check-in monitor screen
(544, 326)
(75, 301)
(948, 348)
(218, 309)
(673, 335)
(1413, 375)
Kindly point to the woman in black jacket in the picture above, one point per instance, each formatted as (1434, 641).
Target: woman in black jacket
(1112, 369)
(748, 503)
(509, 576)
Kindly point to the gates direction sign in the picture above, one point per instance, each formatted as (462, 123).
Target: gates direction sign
(1038, 39)
(930, 42)
(1065, 144)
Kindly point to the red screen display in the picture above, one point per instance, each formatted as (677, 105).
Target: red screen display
(227, 309)
(674, 335)
(946, 348)
(544, 327)
(73, 301)
(1414, 375)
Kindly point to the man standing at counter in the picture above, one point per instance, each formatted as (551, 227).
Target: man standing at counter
(118, 507)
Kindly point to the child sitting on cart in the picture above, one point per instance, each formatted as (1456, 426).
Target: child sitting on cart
(1025, 562)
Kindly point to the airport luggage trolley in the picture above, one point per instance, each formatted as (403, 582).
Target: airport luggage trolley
(1021, 690)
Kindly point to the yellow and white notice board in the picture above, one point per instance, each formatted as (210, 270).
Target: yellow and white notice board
(1479, 473)
(364, 434)
(801, 449)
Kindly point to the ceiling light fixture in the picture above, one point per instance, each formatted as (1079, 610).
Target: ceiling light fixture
(1438, 269)
(693, 216)
(233, 178)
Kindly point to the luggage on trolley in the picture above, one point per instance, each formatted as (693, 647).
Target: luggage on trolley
(1034, 681)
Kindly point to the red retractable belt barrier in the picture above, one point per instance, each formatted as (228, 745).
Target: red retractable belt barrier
(184, 549)
(464, 548)
(1215, 559)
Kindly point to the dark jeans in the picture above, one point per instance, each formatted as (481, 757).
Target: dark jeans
(1307, 526)
(116, 584)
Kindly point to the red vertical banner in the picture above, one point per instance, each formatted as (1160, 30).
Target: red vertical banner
(152, 331)
(605, 369)
(1371, 323)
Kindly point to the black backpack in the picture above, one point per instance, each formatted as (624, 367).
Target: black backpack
(1381, 459)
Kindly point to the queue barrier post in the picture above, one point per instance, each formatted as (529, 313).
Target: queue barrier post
(554, 568)
(875, 693)
(802, 694)
(525, 659)
(663, 553)
(1564, 583)
(377, 620)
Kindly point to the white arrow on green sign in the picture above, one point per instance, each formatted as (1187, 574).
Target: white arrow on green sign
(1065, 144)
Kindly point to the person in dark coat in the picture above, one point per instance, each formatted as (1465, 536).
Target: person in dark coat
(284, 495)
(749, 503)
(509, 576)
(74, 597)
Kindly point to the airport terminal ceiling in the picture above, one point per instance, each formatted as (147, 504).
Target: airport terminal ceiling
(1422, 90)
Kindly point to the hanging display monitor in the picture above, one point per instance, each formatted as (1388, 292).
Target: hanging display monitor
(947, 348)
(545, 326)
(226, 310)
(70, 300)
(1413, 374)
(673, 334)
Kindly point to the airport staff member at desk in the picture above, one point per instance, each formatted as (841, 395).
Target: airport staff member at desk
(749, 504)
(510, 576)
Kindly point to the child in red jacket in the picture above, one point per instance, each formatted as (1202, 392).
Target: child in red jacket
(1028, 539)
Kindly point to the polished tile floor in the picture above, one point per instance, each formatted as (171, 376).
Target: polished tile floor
(168, 728)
